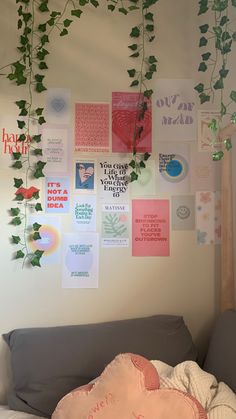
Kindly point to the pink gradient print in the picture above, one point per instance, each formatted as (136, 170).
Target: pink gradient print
(150, 227)
(124, 114)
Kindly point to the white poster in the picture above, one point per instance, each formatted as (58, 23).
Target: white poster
(174, 107)
(207, 140)
(183, 212)
(56, 142)
(58, 106)
(112, 178)
(173, 174)
(80, 260)
(205, 173)
(84, 213)
(208, 217)
(115, 225)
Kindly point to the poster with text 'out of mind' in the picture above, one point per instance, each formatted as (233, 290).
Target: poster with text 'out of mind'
(150, 227)
(174, 110)
(80, 260)
(115, 225)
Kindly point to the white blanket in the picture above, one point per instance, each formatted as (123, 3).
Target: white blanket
(218, 399)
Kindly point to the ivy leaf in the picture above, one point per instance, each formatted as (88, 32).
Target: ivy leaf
(149, 16)
(142, 164)
(15, 212)
(44, 6)
(131, 72)
(39, 111)
(227, 47)
(17, 165)
(153, 68)
(38, 207)
(123, 10)
(152, 59)
(203, 41)
(204, 28)
(39, 77)
(36, 236)
(23, 112)
(134, 83)
(15, 239)
(16, 155)
(44, 39)
(148, 75)
(199, 88)
(55, 14)
(36, 226)
(111, 7)
(225, 36)
(67, 22)
(233, 95)
(40, 164)
(19, 254)
(19, 197)
(35, 261)
(135, 33)
(76, 12)
(37, 138)
(41, 120)
(42, 53)
(146, 156)
(219, 84)
(21, 124)
(135, 55)
(43, 65)
(223, 73)
(202, 67)
(40, 87)
(64, 32)
(38, 152)
(233, 118)
(94, 3)
(42, 27)
(228, 144)
(217, 30)
(35, 195)
(206, 56)
(219, 5)
(234, 36)
(217, 155)
(18, 182)
(132, 164)
(224, 20)
(204, 98)
(213, 125)
(203, 9)
(148, 93)
(222, 109)
(133, 176)
(39, 253)
(16, 221)
(234, 3)
(133, 47)
(21, 103)
(149, 28)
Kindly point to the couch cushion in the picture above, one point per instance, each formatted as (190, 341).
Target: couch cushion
(49, 362)
(5, 371)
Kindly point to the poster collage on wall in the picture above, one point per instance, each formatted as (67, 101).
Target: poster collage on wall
(86, 177)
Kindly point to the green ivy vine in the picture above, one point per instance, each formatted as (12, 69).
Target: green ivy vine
(217, 40)
(37, 23)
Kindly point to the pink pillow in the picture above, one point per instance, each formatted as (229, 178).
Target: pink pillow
(128, 388)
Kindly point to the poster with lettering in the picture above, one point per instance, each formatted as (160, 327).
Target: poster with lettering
(84, 213)
(173, 174)
(112, 178)
(85, 176)
(57, 194)
(205, 173)
(125, 108)
(80, 260)
(206, 139)
(92, 127)
(183, 212)
(55, 142)
(150, 227)
(58, 108)
(208, 217)
(175, 116)
(115, 225)
(145, 185)
(50, 241)
(9, 143)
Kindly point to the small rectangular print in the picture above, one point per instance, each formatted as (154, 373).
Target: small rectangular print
(58, 106)
(183, 212)
(115, 228)
(206, 139)
(112, 178)
(84, 213)
(208, 217)
(84, 176)
(57, 194)
(55, 141)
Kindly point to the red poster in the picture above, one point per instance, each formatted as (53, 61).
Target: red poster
(124, 119)
(92, 127)
(150, 227)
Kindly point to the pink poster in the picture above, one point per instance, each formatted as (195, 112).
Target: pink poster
(92, 127)
(150, 227)
(124, 118)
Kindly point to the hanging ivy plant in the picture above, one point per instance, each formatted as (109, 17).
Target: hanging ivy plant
(216, 42)
(37, 23)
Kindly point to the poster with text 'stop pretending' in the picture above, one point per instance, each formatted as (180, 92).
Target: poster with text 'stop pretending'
(80, 260)
(58, 106)
(208, 217)
(112, 178)
(150, 227)
(50, 241)
(125, 117)
(174, 110)
(57, 194)
(56, 146)
(115, 225)
(84, 213)
(173, 175)
(92, 127)
(206, 139)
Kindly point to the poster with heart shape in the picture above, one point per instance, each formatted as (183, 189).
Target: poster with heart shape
(85, 176)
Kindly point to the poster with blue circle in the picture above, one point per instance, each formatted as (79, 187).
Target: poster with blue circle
(174, 169)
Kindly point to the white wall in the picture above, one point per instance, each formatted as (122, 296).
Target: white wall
(92, 62)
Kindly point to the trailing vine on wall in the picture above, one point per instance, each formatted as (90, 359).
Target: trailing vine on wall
(216, 42)
(37, 24)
